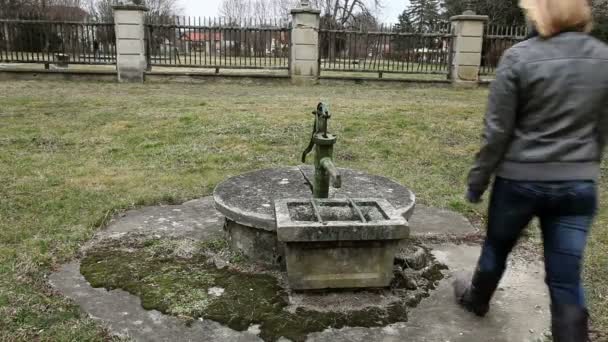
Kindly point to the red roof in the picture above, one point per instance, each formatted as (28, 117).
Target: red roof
(202, 36)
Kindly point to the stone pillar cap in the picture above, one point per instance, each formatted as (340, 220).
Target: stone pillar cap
(130, 8)
(305, 10)
(471, 16)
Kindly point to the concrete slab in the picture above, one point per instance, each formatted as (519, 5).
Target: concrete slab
(188, 220)
(123, 314)
(520, 311)
(195, 219)
(430, 222)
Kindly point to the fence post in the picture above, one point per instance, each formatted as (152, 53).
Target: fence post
(130, 30)
(468, 43)
(304, 51)
(8, 38)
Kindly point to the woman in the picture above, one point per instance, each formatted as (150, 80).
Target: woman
(545, 130)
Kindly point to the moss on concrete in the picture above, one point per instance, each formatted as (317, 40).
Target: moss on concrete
(185, 287)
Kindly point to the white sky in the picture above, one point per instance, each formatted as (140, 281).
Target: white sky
(387, 14)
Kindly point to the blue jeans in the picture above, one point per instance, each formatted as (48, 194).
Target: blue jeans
(566, 211)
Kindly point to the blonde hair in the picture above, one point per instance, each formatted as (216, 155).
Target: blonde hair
(551, 17)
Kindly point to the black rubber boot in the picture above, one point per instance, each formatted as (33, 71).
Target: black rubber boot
(475, 293)
(569, 323)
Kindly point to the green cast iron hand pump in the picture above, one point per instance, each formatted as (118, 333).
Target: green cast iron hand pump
(323, 144)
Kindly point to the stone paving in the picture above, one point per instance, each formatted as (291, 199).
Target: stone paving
(520, 311)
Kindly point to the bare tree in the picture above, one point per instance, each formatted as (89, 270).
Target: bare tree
(284, 7)
(344, 11)
(32, 9)
(234, 9)
(162, 8)
(338, 11)
(262, 10)
(15, 8)
(100, 10)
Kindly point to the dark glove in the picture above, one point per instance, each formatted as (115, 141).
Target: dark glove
(474, 196)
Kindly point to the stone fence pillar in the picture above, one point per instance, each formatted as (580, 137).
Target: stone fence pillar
(130, 42)
(304, 52)
(468, 43)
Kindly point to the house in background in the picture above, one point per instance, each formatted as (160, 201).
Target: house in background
(236, 42)
(211, 42)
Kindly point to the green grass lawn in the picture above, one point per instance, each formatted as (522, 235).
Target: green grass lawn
(74, 154)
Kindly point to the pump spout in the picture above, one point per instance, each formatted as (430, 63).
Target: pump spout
(328, 166)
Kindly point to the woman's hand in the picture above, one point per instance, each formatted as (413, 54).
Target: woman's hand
(474, 196)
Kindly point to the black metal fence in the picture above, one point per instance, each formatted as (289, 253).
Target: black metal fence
(47, 41)
(497, 39)
(249, 44)
(218, 43)
(386, 49)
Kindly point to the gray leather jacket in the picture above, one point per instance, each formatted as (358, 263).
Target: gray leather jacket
(547, 117)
